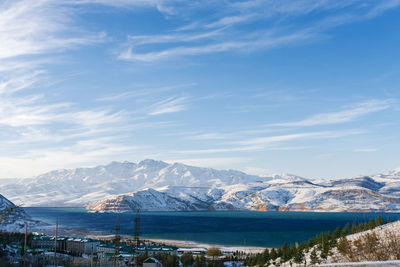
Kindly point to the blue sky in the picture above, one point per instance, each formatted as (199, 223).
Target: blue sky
(303, 87)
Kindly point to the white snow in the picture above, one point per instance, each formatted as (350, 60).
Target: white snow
(182, 187)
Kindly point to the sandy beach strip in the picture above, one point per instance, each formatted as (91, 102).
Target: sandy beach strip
(82, 232)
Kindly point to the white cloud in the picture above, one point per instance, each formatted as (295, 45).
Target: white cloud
(227, 37)
(211, 162)
(84, 153)
(169, 105)
(365, 150)
(35, 27)
(262, 141)
(142, 92)
(347, 115)
(244, 45)
(257, 171)
(209, 136)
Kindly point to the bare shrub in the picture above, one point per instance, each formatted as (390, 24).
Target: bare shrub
(371, 247)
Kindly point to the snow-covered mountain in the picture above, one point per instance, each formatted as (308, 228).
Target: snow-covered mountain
(156, 185)
(13, 218)
(76, 187)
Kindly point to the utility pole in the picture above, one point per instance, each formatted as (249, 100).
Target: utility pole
(117, 240)
(137, 228)
(91, 256)
(136, 235)
(25, 241)
(55, 244)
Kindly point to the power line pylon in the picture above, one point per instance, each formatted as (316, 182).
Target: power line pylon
(117, 240)
(137, 229)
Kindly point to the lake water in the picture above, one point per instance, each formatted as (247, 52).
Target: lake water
(241, 228)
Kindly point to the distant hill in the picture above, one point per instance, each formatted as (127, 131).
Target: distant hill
(157, 185)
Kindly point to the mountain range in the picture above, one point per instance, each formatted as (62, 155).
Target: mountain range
(158, 186)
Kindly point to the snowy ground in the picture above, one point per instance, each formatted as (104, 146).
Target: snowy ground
(381, 231)
(365, 263)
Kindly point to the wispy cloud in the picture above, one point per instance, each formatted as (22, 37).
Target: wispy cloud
(213, 162)
(210, 136)
(347, 115)
(221, 33)
(267, 140)
(169, 105)
(34, 27)
(18, 83)
(39, 130)
(143, 92)
(365, 150)
(244, 45)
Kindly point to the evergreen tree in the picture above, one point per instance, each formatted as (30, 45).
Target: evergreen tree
(259, 260)
(371, 224)
(354, 228)
(266, 255)
(273, 255)
(335, 235)
(286, 253)
(388, 220)
(314, 257)
(346, 230)
(379, 220)
(279, 252)
(299, 256)
(187, 259)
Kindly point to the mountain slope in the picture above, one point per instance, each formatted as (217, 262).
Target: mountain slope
(360, 194)
(156, 185)
(12, 218)
(79, 186)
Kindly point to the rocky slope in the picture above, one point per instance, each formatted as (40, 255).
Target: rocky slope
(76, 187)
(13, 218)
(276, 194)
(159, 186)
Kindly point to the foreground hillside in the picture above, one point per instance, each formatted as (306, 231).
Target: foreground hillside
(371, 243)
(159, 186)
(381, 244)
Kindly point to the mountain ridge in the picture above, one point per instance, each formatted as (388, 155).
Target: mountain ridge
(157, 185)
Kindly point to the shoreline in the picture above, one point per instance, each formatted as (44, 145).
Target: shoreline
(82, 232)
(184, 243)
(193, 244)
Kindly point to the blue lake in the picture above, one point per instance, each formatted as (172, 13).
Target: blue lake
(242, 228)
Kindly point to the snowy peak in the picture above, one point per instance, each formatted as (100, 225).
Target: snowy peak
(76, 187)
(157, 185)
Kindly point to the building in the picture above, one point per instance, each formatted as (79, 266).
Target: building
(47, 242)
(152, 250)
(79, 246)
(151, 262)
(107, 248)
(193, 251)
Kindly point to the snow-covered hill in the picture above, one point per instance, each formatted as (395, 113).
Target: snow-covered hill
(13, 218)
(79, 186)
(156, 185)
